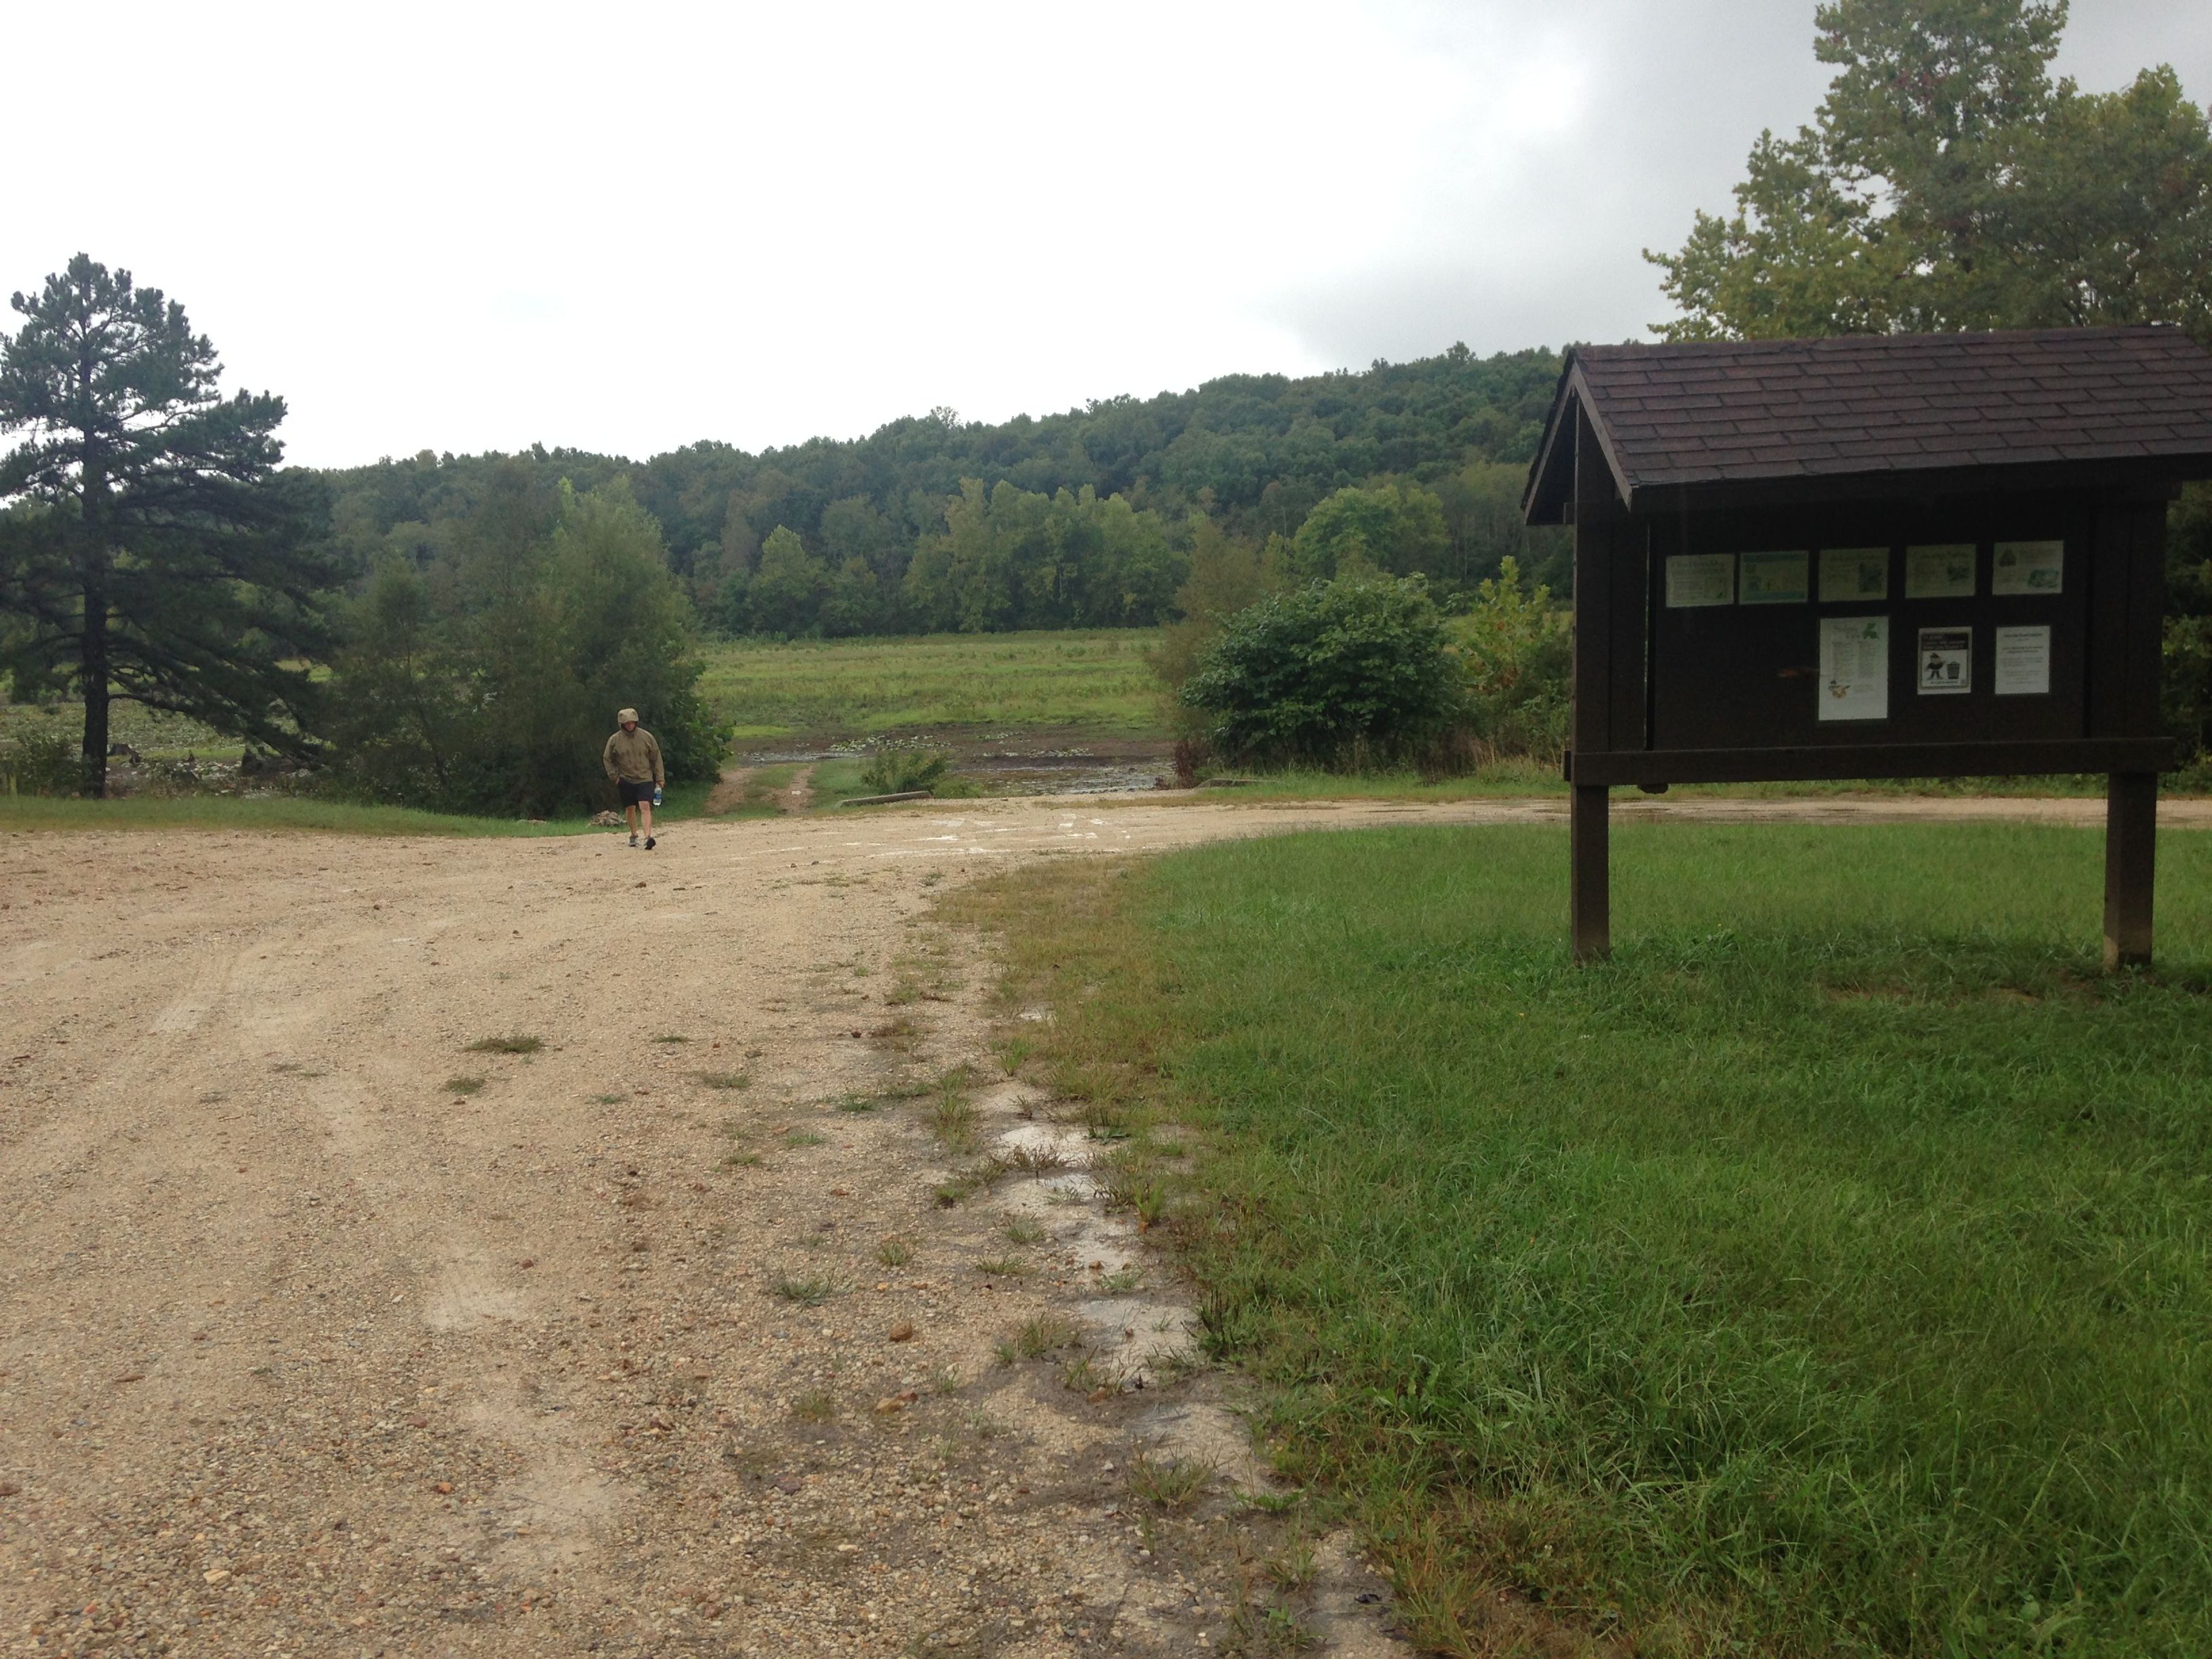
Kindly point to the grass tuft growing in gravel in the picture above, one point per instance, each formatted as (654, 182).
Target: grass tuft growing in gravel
(727, 1079)
(1167, 1483)
(952, 1116)
(1035, 1338)
(506, 1045)
(811, 1291)
(463, 1085)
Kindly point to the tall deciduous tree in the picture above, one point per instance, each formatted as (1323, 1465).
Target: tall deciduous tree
(1948, 182)
(158, 557)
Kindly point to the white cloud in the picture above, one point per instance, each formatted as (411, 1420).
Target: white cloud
(470, 226)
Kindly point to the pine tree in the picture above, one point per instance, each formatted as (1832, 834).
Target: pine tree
(154, 554)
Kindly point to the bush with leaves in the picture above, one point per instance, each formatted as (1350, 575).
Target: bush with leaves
(899, 767)
(487, 679)
(1331, 674)
(40, 758)
(1517, 652)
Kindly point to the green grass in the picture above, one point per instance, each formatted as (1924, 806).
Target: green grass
(1095, 680)
(1829, 1272)
(266, 813)
(154, 733)
(1520, 778)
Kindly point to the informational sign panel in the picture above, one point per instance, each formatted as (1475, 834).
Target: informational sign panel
(1854, 668)
(1944, 572)
(1849, 574)
(2028, 567)
(1879, 556)
(1774, 578)
(1944, 659)
(1696, 579)
(2023, 662)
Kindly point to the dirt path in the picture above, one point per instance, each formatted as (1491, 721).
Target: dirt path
(729, 791)
(307, 1347)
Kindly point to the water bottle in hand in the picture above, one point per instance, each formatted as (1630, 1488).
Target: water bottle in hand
(656, 794)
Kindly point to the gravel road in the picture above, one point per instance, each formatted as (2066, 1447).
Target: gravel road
(322, 1332)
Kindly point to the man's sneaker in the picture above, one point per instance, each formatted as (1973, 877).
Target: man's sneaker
(633, 838)
(648, 844)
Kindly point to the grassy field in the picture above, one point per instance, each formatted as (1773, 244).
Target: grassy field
(1096, 681)
(152, 733)
(1827, 1274)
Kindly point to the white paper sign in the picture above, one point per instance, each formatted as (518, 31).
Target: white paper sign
(1945, 572)
(2023, 662)
(1944, 663)
(1854, 668)
(1854, 574)
(2028, 567)
(1695, 579)
(1775, 578)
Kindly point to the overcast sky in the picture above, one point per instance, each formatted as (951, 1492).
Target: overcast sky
(464, 226)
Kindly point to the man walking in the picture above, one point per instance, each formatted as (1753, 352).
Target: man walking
(633, 762)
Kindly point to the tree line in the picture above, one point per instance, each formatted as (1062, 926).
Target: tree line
(443, 629)
(1080, 520)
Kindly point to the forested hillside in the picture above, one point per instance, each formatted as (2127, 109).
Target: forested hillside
(1081, 519)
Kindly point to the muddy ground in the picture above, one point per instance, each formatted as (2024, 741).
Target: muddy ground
(324, 1331)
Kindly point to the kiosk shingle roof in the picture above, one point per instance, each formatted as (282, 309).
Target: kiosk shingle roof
(1680, 416)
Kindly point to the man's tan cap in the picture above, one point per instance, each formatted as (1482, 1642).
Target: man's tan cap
(625, 717)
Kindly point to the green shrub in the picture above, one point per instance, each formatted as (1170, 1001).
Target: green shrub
(488, 682)
(898, 767)
(1516, 653)
(2186, 686)
(1331, 674)
(43, 760)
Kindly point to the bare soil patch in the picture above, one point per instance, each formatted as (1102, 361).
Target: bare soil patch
(656, 1340)
(659, 1339)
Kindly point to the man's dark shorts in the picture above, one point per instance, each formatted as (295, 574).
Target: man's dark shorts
(635, 795)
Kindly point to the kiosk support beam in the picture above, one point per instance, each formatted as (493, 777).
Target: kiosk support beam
(1589, 892)
(2131, 853)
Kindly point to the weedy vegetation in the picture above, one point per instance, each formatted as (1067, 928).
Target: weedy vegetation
(1167, 1483)
(811, 1291)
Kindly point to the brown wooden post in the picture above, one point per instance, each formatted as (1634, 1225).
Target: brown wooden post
(2131, 852)
(1589, 879)
(1589, 899)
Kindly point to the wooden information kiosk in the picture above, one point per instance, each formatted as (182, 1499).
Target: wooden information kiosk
(1902, 555)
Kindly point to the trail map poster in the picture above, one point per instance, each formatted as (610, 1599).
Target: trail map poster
(1854, 668)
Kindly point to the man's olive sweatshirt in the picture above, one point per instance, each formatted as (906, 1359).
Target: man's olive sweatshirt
(634, 757)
